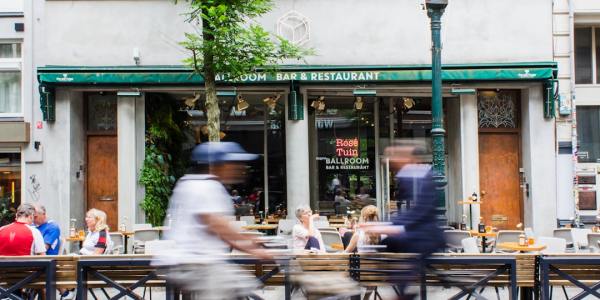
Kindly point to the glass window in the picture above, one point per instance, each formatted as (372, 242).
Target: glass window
(588, 126)
(583, 55)
(10, 92)
(102, 113)
(10, 186)
(260, 129)
(345, 155)
(12, 50)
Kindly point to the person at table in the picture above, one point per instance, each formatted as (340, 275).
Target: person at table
(200, 206)
(306, 235)
(97, 241)
(48, 228)
(20, 238)
(360, 237)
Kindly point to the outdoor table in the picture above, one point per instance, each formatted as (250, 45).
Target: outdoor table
(483, 236)
(78, 239)
(126, 235)
(338, 226)
(268, 228)
(337, 246)
(516, 247)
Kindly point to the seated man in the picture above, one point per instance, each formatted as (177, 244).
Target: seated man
(20, 238)
(49, 230)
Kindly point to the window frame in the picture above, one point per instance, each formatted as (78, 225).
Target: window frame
(14, 65)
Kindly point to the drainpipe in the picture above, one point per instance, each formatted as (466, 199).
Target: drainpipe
(574, 143)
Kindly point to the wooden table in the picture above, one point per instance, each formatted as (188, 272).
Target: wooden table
(516, 247)
(126, 236)
(269, 228)
(338, 226)
(77, 239)
(483, 236)
(337, 246)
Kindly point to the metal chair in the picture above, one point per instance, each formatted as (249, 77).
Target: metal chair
(454, 239)
(469, 245)
(553, 245)
(285, 227)
(141, 226)
(140, 237)
(505, 236)
(330, 238)
(321, 224)
(250, 220)
(592, 240)
(580, 240)
(118, 242)
(565, 233)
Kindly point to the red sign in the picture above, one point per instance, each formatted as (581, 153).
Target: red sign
(346, 147)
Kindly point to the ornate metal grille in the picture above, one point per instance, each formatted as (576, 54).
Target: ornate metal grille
(102, 113)
(497, 110)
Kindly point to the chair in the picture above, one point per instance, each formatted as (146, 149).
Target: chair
(156, 247)
(505, 236)
(454, 239)
(62, 249)
(250, 220)
(592, 241)
(285, 227)
(118, 242)
(141, 226)
(553, 245)
(322, 218)
(330, 238)
(140, 237)
(469, 245)
(230, 218)
(321, 224)
(580, 240)
(564, 233)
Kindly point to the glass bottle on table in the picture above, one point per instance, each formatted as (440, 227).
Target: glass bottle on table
(481, 226)
(463, 223)
(72, 230)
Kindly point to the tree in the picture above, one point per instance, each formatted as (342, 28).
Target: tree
(231, 44)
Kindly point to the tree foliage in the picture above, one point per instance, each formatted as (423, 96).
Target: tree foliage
(230, 43)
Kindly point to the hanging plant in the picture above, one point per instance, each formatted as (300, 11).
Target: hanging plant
(163, 162)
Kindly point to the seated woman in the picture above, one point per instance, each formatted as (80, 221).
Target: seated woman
(305, 235)
(361, 238)
(97, 241)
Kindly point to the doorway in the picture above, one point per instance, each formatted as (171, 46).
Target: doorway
(102, 156)
(500, 158)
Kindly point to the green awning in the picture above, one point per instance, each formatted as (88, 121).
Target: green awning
(179, 75)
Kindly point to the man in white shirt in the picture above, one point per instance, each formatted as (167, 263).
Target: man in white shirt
(202, 234)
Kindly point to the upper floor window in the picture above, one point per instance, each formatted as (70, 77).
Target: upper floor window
(11, 6)
(587, 54)
(11, 104)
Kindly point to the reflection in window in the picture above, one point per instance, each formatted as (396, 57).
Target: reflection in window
(260, 129)
(10, 186)
(583, 55)
(10, 92)
(345, 155)
(588, 126)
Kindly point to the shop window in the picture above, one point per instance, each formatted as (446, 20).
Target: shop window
(344, 147)
(10, 80)
(588, 126)
(259, 128)
(10, 186)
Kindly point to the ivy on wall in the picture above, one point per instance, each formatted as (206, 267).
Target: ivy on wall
(164, 161)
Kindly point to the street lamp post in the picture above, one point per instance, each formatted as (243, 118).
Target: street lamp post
(435, 10)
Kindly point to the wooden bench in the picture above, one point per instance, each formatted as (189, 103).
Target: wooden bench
(577, 269)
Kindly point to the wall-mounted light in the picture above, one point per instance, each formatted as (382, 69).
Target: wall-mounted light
(242, 104)
(319, 103)
(271, 101)
(458, 91)
(408, 103)
(358, 103)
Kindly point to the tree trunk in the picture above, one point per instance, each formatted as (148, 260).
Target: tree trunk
(212, 103)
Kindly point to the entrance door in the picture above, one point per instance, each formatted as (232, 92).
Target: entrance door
(499, 159)
(102, 162)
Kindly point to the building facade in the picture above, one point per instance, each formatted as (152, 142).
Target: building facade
(322, 125)
(577, 37)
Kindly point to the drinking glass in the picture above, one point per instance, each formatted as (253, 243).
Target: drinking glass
(81, 234)
(531, 241)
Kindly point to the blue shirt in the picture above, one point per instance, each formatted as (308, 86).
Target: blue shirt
(51, 233)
